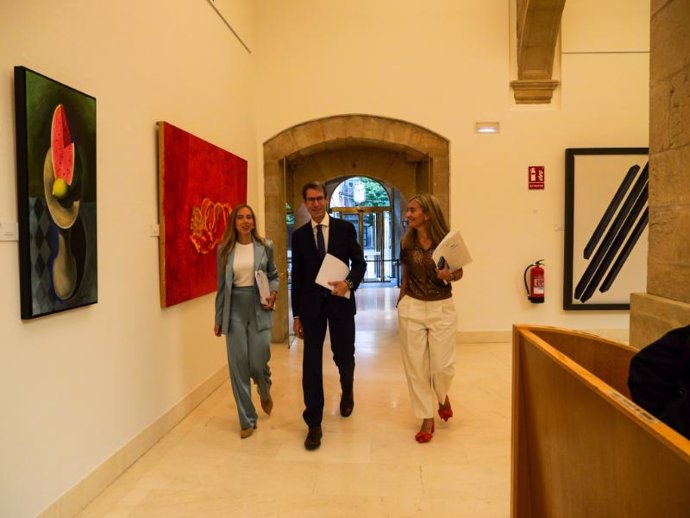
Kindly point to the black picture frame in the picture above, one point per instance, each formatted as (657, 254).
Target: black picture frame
(606, 219)
(56, 194)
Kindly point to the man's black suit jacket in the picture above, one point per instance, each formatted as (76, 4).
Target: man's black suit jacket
(308, 298)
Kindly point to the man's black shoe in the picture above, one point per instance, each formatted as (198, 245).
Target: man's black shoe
(313, 440)
(347, 403)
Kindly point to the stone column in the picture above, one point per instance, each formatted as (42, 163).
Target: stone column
(274, 192)
(666, 304)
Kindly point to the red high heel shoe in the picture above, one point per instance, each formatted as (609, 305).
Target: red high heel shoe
(445, 411)
(423, 436)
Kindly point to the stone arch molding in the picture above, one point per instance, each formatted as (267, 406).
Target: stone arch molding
(381, 142)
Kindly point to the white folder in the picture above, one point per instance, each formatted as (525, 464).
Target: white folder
(332, 270)
(262, 284)
(453, 249)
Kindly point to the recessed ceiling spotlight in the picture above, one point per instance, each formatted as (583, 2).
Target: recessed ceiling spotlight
(487, 127)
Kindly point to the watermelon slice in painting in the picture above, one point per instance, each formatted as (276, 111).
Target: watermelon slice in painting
(62, 152)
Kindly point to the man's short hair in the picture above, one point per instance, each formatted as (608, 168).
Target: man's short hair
(319, 186)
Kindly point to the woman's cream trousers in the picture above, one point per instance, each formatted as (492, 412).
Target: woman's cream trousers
(427, 342)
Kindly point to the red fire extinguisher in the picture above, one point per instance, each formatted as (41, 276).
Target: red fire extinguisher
(535, 290)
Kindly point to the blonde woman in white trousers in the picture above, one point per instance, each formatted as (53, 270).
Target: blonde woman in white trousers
(426, 315)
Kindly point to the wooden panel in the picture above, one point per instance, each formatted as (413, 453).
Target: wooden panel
(607, 360)
(579, 447)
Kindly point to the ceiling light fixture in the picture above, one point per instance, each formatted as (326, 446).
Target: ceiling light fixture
(487, 127)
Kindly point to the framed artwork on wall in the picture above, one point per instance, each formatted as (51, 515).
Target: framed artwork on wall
(606, 219)
(198, 185)
(56, 190)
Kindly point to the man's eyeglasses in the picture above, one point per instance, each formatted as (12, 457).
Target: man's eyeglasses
(317, 199)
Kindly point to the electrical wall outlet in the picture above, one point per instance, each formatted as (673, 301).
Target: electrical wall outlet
(9, 231)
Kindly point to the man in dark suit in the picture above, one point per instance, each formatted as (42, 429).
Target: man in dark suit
(314, 306)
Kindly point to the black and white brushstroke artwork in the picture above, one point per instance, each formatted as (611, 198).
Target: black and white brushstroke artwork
(606, 220)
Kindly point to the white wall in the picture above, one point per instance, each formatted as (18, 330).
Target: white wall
(444, 65)
(76, 386)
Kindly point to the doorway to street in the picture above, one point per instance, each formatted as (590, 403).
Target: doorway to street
(366, 204)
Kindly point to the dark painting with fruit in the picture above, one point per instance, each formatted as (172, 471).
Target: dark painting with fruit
(56, 187)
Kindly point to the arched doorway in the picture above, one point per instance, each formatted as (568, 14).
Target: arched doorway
(396, 153)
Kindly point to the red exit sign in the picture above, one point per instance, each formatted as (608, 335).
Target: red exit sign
(535, 177)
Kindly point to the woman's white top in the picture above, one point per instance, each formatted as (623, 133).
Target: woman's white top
(243, 265)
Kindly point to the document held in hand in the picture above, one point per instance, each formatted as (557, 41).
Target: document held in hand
(453, 249)
(262, 284)
(332, 270)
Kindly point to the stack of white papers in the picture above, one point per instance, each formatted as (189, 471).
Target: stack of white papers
(453, 249)
(332, 270)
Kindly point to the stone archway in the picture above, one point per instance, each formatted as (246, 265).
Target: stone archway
(404, 155)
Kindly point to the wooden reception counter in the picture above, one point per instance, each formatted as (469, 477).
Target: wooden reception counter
(580, 447)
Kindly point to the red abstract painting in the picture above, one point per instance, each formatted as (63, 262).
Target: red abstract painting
(198, 185)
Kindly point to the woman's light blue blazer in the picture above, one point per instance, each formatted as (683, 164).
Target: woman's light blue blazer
(263, 260)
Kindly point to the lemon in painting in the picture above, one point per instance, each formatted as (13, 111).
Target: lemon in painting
(60, 188)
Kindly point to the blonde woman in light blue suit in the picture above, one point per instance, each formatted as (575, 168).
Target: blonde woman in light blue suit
(241, 316)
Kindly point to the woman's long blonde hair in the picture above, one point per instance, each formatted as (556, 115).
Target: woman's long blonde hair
(438, 227)
(229, 239)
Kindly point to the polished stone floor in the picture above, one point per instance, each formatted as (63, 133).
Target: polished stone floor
(369, 464)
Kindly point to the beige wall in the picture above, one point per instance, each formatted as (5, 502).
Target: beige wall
(77, 386)
(444, 65)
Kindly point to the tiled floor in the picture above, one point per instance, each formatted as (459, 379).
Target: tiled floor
(369, 464)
